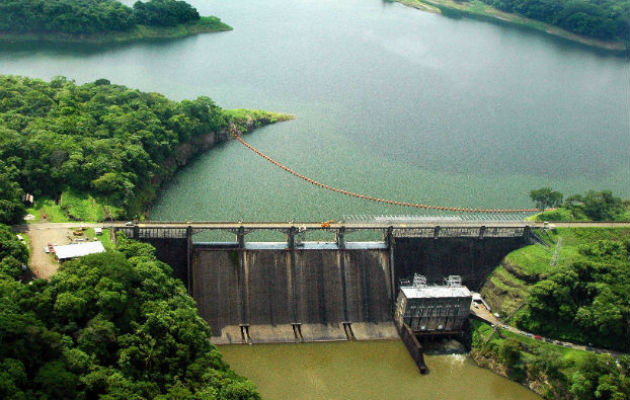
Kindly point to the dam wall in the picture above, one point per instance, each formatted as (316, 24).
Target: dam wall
(289, 291)
(268, 293)
(174, 253)
(473, 259)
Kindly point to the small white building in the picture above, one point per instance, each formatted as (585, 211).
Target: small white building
(75, 250)
(427, 309)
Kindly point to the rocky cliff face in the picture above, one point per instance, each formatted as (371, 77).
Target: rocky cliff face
(187, 151)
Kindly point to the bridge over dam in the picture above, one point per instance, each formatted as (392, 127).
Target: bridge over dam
(298, 290)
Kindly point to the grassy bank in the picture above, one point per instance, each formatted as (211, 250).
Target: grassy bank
(552, 371)
(139, 32)
(479, 10)
(247, 120)
(508, 287)
(73, 206)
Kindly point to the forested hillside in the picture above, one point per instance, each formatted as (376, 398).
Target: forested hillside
(90, 16)
(554, 372)
(587, 301)
(601, 19)
(115, 143)
(111, 326)
(578, 289)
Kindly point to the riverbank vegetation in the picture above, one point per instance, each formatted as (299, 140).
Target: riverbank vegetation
(587, 301)
(13, 254)
(577, 290)
(604, 19)
(99, 150)
(101, 20)
(602, 24)
(552, 371)
(115, 325)
(592, 206)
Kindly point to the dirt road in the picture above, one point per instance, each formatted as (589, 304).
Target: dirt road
(43, 265)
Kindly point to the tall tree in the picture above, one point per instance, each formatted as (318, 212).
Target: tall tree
(546, 198)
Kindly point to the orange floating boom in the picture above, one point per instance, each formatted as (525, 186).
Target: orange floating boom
(375, 199)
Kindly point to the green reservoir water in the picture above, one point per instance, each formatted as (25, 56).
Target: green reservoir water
(389, 101)
(364, 371)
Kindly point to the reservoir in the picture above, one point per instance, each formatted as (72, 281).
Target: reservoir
(390, 102)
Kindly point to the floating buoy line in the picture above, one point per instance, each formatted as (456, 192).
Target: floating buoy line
(237, 136)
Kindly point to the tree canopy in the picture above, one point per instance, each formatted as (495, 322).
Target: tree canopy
(586, 302)
(554, 372)
(90, 16)
(11, 207)
(13, 253)
(546, 198)
(601, 19)
(98, 138)
(115, 325)
(597, 206)
(593, 206)
(164, 12)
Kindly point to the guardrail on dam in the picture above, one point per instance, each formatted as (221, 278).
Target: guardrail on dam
(291, 291)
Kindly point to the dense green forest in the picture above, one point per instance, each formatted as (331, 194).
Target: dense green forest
(554, 372)
(587, 301)
(90, 16)
(11, 207)
(110, 141)
(111, 326)
(592, 206)
(13, 253)
(600, 19)
(578, 290)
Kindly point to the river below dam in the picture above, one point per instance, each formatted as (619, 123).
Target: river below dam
(364, 370)
(390, 102)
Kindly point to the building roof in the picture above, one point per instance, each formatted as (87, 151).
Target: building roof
(78, 250)
(435, 291)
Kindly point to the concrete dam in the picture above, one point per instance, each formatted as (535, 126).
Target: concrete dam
(263, 292)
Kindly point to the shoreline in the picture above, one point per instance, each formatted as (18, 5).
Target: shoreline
(182, 155)
(187, 152)
(484, 12)
(138, 33)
